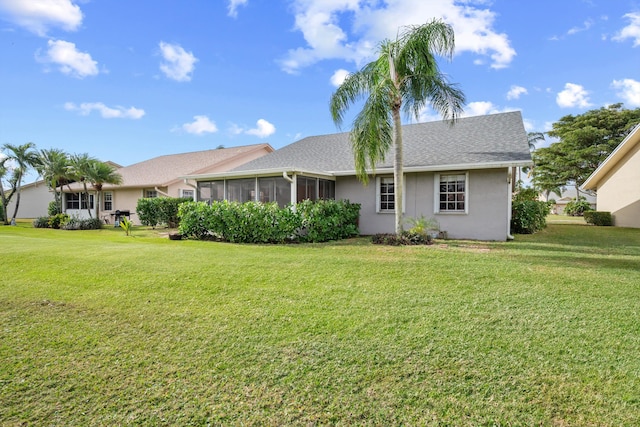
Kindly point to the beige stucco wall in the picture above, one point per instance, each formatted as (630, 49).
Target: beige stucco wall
(488, 205)
(619, 191)
(34, 201)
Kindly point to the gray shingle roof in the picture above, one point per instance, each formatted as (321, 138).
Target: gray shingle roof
(480, 140)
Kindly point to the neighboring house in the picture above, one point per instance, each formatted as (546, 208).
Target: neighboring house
(157, 177)
(34, 200)
(565, 197)
(459, 174)
(617, 181)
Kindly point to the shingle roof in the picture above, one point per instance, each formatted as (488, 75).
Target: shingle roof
(162, 170)
(496, 138)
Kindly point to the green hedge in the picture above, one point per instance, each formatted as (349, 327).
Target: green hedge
(528, 216)
(598, 218)
(255, 222)
(160, 210)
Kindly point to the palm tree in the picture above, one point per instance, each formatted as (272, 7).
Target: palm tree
(24, 156)
(101, 173)
(404, 77)
(79, 170)
(53, 168)
(533, 138)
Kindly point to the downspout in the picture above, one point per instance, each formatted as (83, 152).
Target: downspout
(510, 171)
(161, 192)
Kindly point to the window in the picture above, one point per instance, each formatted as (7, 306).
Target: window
(241, 190)
(274, 189)
(386, 195)
(326, 189)
(451, 193)
(78, 201)
(108, 201)
(150, 194)
(306, 188)
(210, 191)
(187, 194)
(72, 200)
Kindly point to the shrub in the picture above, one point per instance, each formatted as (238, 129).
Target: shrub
(90, 224)
(528, 216)
(160, 210)
(58, 220)
(526, 194)
(577, 207)
(423, 225)
(41, 222)
(325, 220)
(598, 218)
(53, 209)
(255, 222)
(406, 238)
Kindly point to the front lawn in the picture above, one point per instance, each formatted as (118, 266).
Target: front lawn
(101, 329)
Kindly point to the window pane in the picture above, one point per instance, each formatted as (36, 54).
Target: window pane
(241, 190)
(452, 191)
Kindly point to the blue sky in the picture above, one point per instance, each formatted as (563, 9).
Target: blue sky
(129, 80)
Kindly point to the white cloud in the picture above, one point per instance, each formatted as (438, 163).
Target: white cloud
(263, 129)
(338, 77)
(322, 23)
(200, 125)
(631, 31)
(481, 108)
(233, 7)
(38, 16)
(573, 95)
(515, 92)
(629, 90)
(178, 63)
(585, 26)
(117, 112)
(69, 59)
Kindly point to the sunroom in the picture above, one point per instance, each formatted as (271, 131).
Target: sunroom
(281, 187)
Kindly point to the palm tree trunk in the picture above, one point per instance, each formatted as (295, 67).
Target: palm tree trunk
(15, 211)
(398, 178)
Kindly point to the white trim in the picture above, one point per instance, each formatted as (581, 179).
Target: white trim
(436, 193)
(404, 193)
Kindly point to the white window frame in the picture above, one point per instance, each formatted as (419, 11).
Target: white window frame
(436, 194)
(192, 191)
(150, 194)
(378, 194)
(107, 195)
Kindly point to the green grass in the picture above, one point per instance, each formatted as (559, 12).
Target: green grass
(101, 329)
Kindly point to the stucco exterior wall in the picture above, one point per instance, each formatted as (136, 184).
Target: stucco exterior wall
(488, 205)
(619, 191)
(34, 201)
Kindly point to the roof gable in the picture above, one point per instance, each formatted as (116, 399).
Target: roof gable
(613, 159)
(163, 170)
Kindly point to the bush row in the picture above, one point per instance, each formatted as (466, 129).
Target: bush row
(255, 222)
(160, 210)
(67, 222)
(405, 239)
(598, 218)
(528, 216)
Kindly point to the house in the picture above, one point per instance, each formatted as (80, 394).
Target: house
(565, 197)
(617, 181)
(459, 174)
(159, 176)
(34, 200)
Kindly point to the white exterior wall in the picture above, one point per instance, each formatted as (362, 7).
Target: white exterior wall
(619, 191)
(488, 216)
(34, 201)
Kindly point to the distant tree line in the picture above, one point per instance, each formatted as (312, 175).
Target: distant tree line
(57, 168)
